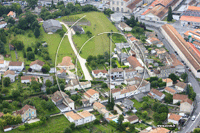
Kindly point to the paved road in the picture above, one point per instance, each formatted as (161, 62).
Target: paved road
(80, 59)
(191, 124)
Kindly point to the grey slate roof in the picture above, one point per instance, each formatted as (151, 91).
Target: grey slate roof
(51, 23)
(78, 28)
(127, 102)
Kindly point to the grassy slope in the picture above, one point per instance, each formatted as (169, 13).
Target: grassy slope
(99, 44)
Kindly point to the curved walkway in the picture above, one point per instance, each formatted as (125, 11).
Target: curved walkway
(80, 59)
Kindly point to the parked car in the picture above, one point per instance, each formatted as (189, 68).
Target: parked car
(193, 118)
(124, 113)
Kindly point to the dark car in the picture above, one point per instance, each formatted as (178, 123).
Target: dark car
(124, 113)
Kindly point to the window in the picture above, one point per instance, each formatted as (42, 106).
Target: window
(117, 2)
(122, 3)
(113, 2)
(122, 10)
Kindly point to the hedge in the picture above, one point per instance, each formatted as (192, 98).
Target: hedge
(31, 125)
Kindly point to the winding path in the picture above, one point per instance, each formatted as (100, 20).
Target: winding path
(80, 59)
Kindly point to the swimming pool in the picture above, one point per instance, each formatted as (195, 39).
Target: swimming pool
(115, 120)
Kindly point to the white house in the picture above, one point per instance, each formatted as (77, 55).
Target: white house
(91, 95)
(174, 118)
(116, 73)
(27, 79)
(135, 64)
(186, 106)
(128, 91)
(181, 86)
(16, 66)
(129, 73)
(168, 81)
(178, 98)
(124, 27)
(80, 118)
(10, 74)
(3, 24)
(36, 65)
(116, 93)
(99, 73)
(156, 94)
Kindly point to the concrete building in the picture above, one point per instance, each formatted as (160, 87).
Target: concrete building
(66, 63)
(156, 94)
(168, 81)
(75, 84)
(28, 79)
(51, 25)
(170, 90)
(181, 86)
(124, 27)
(101, 109)
(135, 64)
(185, 51)
(11, 14)
(116, 73)
(3, 24)
(76, 29)
(186, 106)
(117, 17)
(127, 103)
(133, 119)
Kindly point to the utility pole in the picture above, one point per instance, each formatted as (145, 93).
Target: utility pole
(110, 61)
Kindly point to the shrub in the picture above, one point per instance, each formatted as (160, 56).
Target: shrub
(22, 128)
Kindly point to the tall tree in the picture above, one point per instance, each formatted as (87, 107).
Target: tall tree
(32, 3)
(169, 17)
(37, 32)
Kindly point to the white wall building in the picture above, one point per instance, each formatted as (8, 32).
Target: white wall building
(91, 95)
(99, 73)
(16, 66)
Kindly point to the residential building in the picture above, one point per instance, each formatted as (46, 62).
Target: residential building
(176, 64)
(129, 73)
(16, 66)
(75, 84)
(168, 81)
(185, 51)
(127, 103)
(85, 102)
(91, 95)
(117, 17)
(156, 94)
(76, 29)
(3, 24)
(178, 98)
(142, 85)
(51, 25)
(191, 16)
(170, 90)
(101, 109)
(61, 73)
(27, 112)
(124, 27)
(174, 118)
(99, 73)
(66, 63)
(11, 14)
(2, 64)
(40, 20)
(62, 101)
(160, 130)
(11, 47)
(132, 39)
(116, 93)
(36, 65)
(80, 118)
(186, 106)
(181, 86)
(116, 73)
(133, 119)
(135, 64)
(10, 74)
(128, 91)
(28, 79)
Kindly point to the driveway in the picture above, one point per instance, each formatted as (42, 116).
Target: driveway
(80, 59)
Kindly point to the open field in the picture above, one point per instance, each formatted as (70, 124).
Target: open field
(99, 24)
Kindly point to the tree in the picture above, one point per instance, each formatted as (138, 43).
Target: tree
(49, 105)
(30, 56)
(48, 83)
(168, 98)
(72, 125)
(104, 85)
(5, 104)
(144, 114)
(68, 130)
(6, 81)
(173, 77)
(32, 3)
(2, 123)
(15, 93)
(108, 12)
(37, 32)
(45, 68)
(132, 128)
(120, 121)
(145, 105)
(89, 34)
(2, 48)
(184, 76)
(196, 130)
(11, 20)
(111, 102)
(19, 45)
(169, 17)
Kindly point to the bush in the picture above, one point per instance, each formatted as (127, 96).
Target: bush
(22, 128)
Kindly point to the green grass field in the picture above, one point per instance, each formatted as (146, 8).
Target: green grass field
(99, 24)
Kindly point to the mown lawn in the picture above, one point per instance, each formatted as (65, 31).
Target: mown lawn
(99, 24)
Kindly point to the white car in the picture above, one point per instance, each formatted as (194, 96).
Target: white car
(193, 118)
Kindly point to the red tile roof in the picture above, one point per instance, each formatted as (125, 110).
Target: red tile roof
(158, 93)
(24, 109)
(179, 97)
(187, 100)
(41, 63)
(174, 117)
(98, 71)
(134, 62)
